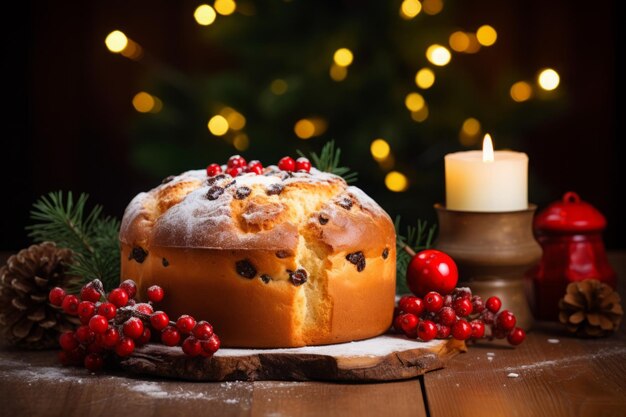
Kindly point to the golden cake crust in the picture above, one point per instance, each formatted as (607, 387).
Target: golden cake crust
(273, 260)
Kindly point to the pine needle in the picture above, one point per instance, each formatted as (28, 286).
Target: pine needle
(93, 238)
(328, 161)
(418, 238)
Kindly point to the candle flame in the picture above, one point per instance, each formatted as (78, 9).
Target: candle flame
(487, 149)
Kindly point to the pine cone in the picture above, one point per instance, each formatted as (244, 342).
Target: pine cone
(26, 318)
(590, 308)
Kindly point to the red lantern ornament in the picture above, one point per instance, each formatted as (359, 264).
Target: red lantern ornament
(570, 234)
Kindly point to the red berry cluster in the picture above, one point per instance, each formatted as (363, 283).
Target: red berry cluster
(118, 323)
(237, 165)
(458, 314)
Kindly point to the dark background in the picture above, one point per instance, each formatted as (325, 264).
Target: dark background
(67, 112)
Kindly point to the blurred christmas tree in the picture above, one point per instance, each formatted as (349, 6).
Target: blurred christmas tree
(381, 78)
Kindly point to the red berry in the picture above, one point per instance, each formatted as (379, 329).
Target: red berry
(211, 345)
(159, 320)
(461, 330)
(133, 328)
(433, 302)
(426, 330)
(408, 323)
(431, 270)
(170, 336)
(478, 306)
(85, 335)
(462, 306)
(487, 316)
(68, 341)
(70, 304)
(98, 323)
(185, 324)
(86, 309)
(155, 294)
(125, 346)
(447, 316)
(236, 161)
(478, 329)
(410, 304)
(203, 330)
(130, 287)
(255, 166)
(213, 169)
(303, 164)
(110, 337)
(397, 323)
(192, 346)
(287, 164)
(462, 292)
(93, 362)
(63, 358)
(516, 336)
(447, 300)
(108, 310)
(144, 308)
(505, 320)
(145, 337)
(234, 171)
(56, 296)
(442, 331)
(90, 293)
(118, 297)
(493, 304)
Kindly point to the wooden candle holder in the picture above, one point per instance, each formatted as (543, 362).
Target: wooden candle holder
(493, 252)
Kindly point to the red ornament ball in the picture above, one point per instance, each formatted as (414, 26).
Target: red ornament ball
(431, 270)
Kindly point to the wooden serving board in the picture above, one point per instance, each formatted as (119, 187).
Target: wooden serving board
(384, 358)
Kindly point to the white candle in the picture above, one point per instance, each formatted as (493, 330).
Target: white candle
(487, 181)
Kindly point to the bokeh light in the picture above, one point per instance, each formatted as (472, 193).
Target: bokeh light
(425, 78)
(486, 35)
(438, 55)
(432, 7)
(410, 8)
(235, 120)
(420, 115)
(204, 15)
(459, 41)
(470, 132)
(414, 101)
(337, 72)
(304, 129)
(380, 149)
(279, 87)
(218, 125)
(521, 91)
(116, 41)
(343, 57)
(241, 142)
(146, 103)
(396, 181)
(548, 79)
(225, 7)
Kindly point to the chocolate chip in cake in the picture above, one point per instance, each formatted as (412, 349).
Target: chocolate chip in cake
(345, 202)
(282, 254)
(242, 192)
(323, 219)
(167, 179)
(138, 253)
(165, 262)
(216, 178)
(357, 259)
(274, 189)
(214, 192)
(298, 277)
(266, 278)
(246, 269)
(385, 253)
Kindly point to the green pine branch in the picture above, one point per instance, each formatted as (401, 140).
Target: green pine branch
(328, 161)
(91, 236)
(417, 238)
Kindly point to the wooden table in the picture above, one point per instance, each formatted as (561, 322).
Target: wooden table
(557, 375)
